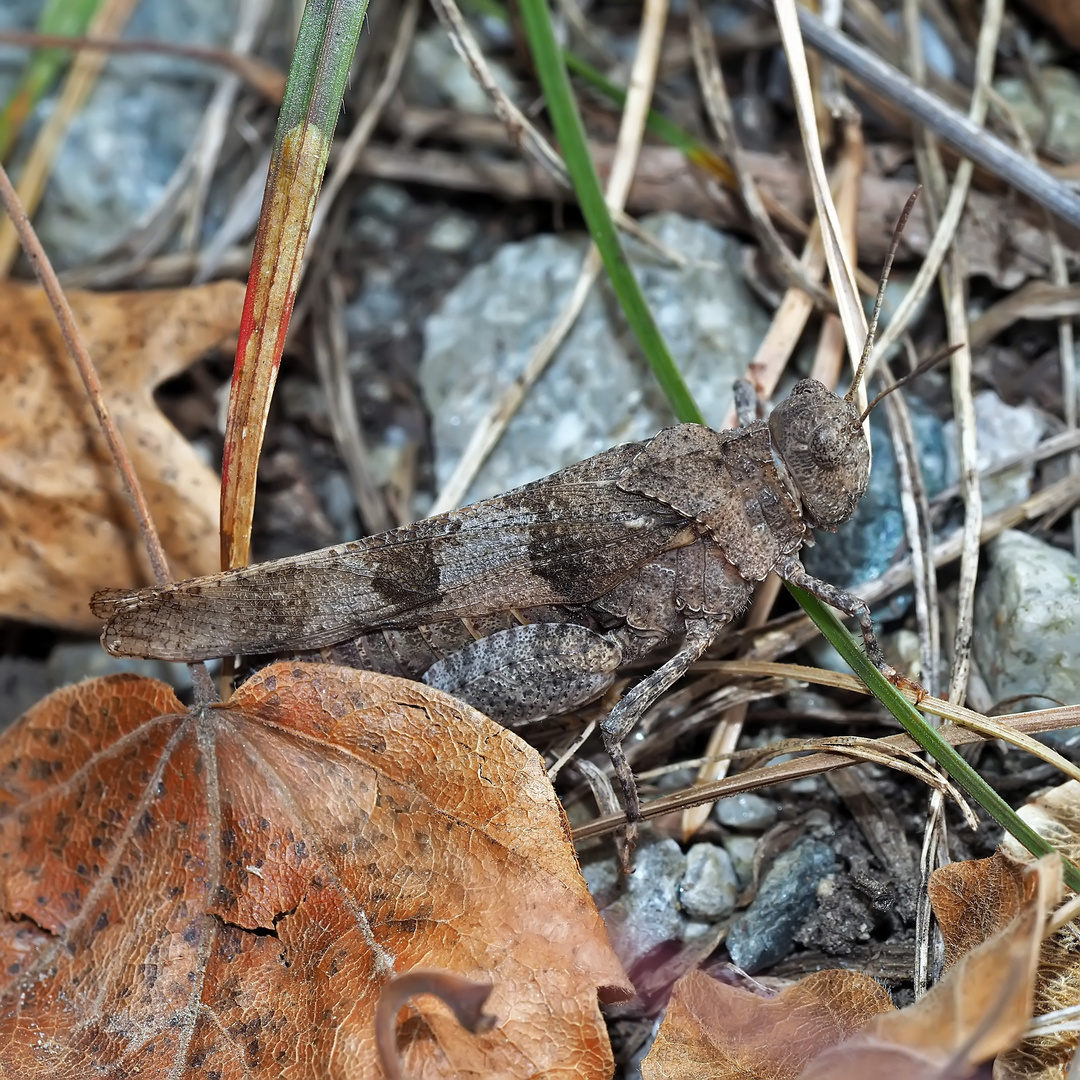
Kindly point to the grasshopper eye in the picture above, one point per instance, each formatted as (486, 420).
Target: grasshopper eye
(828, 444)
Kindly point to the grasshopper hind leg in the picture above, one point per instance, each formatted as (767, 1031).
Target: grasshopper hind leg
(529, 672)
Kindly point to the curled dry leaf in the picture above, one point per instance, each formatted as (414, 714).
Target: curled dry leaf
(65, 529)
(840, 1025)
(978, 1010)
(719, 1031)
(225, 892)
(971, 899)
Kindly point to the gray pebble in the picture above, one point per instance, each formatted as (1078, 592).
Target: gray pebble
(1060, 134)
(23, 682)
(1001, 431)
(452, 234)
(745, 811)
(742, 849)
(74, 661)
(388, 201)
(1027, 634)
(764, 934)
(376, 307)
(709, 887)
(647, 911)
(337, 499)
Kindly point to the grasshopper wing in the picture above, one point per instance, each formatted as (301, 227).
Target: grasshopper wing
(567, 539)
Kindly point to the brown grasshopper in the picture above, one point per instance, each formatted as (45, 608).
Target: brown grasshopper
(525, 605)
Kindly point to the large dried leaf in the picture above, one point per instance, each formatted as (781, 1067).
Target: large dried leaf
(224, 893)
(65, 529)
(724, 1033)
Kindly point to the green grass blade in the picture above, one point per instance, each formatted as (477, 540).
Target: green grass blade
(65, 18)
(925, 735)
(566, 120)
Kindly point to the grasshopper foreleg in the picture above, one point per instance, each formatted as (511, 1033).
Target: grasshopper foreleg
(790, 569)
(618, 724)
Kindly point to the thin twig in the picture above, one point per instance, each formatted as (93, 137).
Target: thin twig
(915, 506)
(628, 145)
(841, 273)
(69, 328)
(711, 80)
(950, 125)
(1027, 723)
(258, 74)
(251, 18)
(330, 346)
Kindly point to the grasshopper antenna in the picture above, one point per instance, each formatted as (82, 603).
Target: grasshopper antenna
(868, 347)
(924, 367)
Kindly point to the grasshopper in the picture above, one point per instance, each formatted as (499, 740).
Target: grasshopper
(526, 604)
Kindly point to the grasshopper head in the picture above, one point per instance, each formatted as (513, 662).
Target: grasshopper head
(819, 438)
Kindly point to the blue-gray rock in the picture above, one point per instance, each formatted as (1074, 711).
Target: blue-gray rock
(709, 886)
(23, 682)
(124, 145)
(764, 933)
(598, 390)
(646, 912)
(745, 811)
(1060, 134)
(1027, 630)
(436, 76)
(452, 234)
(864, 547)
(1001, 432)
(74, 661)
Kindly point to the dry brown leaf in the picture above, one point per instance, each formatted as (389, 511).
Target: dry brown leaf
(979, 1009)
(718, 1031)
(65, 529)
(224, 893)
(1063, 16)
(976, 899)
(1055, 814)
